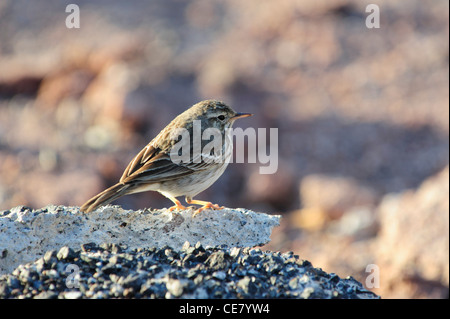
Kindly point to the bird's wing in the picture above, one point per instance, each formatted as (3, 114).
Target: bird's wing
(154, 165)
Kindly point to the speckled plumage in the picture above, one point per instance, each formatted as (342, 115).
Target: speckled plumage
(152, 169)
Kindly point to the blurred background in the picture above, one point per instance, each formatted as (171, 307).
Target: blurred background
(362, 117)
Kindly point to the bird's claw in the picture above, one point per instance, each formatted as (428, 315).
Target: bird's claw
(207, 206)
(177, 207)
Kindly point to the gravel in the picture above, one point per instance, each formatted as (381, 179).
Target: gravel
(115, 271)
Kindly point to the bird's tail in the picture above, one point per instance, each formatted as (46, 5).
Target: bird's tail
(105, 197)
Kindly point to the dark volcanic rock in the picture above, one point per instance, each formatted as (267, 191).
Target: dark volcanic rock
(110, 271)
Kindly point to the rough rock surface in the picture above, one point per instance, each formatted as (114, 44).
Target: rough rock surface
(413, 243)
(26, 234)
(114, 271)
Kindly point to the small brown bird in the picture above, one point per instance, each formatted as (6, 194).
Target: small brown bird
(154, 169)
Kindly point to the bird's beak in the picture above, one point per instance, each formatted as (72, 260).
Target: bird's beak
(241, 115)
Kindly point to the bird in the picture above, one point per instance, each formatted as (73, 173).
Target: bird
(157, 167)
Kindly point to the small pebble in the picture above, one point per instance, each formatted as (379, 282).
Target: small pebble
(73, 295)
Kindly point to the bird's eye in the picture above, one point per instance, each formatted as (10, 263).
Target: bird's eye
(221, 117)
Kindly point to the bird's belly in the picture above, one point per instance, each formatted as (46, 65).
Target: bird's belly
(193, 184)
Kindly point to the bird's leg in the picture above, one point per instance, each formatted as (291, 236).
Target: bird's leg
(177, 206)
(206, 205)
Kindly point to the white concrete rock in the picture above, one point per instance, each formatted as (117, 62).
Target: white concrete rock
(26, 234)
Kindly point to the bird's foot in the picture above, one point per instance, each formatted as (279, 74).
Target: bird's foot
(177, 207)
(207, 205)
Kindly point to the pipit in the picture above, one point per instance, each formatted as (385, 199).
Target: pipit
(157, 167)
